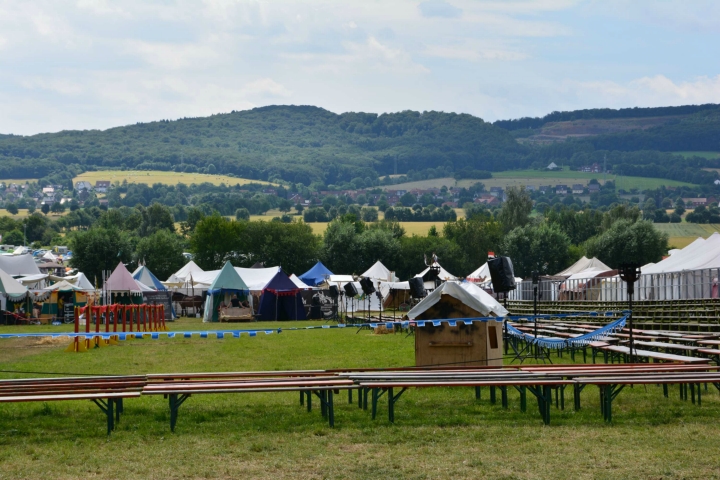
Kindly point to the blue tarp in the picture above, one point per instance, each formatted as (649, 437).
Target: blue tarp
(316, 275)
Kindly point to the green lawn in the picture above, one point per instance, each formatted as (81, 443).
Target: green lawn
(438, 433)
(698, 154)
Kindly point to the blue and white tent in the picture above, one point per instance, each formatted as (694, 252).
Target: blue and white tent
(146, 277)
(316, 275)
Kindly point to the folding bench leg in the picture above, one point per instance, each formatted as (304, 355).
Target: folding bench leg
(175, 400)
(107, 408)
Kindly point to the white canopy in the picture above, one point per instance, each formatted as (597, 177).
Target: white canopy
(50, 256)
(584, 264)
(183, 275)
(468, 293)
(699, 254)
(298, 282)
(589, 273)
(65, 286)
(379, 272)
(482, 274)
(19, 265)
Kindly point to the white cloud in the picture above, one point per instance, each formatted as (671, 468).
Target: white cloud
(650, 91)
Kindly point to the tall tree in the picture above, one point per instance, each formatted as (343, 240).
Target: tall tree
(516, 208)
(216, 240)
(627, 241)
(544, 248)
(99, 249)
(162, 252)
(475, 238)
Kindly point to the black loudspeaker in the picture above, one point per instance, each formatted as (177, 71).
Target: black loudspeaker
(501, 274)
(334, 291)
(350, 289)
(367, 286)
(417, 287)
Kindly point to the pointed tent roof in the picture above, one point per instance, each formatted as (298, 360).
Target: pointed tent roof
(583, 264)
(379, 272)
(228, 280)
(482, 273)
(11, 287)
(50, 256)
(316, 275)
(15, 265)
(121, 281)
(299, 283)
(65, 286)
(281, 284)
(443, 275)
(183, 275)
(468, 293)
(144, 275)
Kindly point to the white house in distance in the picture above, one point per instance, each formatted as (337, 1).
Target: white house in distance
(553, 166)
(102, 186)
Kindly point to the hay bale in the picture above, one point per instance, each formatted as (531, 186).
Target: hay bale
(383, 330)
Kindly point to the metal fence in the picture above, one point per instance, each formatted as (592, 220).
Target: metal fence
(686, 285)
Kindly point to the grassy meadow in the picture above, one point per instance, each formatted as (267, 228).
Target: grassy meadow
(151, 177)
(683, 234)
(438, 433)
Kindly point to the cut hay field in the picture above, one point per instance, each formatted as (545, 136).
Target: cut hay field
(709, 155)
(683, 234)
(438, 433)
(151, 177)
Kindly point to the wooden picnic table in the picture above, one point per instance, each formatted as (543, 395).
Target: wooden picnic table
(708, 342)
(667, 346)
(668, 357)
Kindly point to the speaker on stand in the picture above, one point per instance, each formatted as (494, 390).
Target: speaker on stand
(368, 289)
(334, 293)
(503, 281)
(351, 292)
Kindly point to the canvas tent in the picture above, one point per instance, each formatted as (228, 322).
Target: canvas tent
(444, 276)
(144, 275)
(183, 276)
(19, 265)
(10, 290)
(469, 300)
(316, 275)
(281, 300)
(299, 283)
(220, 293)
(79, 280)
(122, 287)
(64, 297)
(380, 272)
(481, 275)
(583, 264)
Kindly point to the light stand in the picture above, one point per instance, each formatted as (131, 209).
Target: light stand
(629, 273)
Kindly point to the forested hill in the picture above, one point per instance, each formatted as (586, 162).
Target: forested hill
(304, 144)
(293, 143)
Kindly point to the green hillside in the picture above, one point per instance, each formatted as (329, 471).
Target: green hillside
(305, 144)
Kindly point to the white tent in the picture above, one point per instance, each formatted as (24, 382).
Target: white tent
(298, 282)
(444, 276)
(183, 275)
(698, 255)
(379, 272)
(49, 256)
(256, 278)
(481, 275)
(583, 264)
(79, 280)
(10, 289)
(468, 293)
(19, 265)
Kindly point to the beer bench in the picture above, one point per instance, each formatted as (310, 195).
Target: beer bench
(106, 392)
(322, 386)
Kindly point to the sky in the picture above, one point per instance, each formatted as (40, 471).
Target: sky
(96, 64)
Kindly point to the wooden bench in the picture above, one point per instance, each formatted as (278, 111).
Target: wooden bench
(236, 314)
(106, 392)
(322, 386)
(655, 356)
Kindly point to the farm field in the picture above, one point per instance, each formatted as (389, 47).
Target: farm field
(516, 178)
(151, 177)
(699, 154)
(411, 228)
(683, 234)
(23, 213)
(438, 433)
